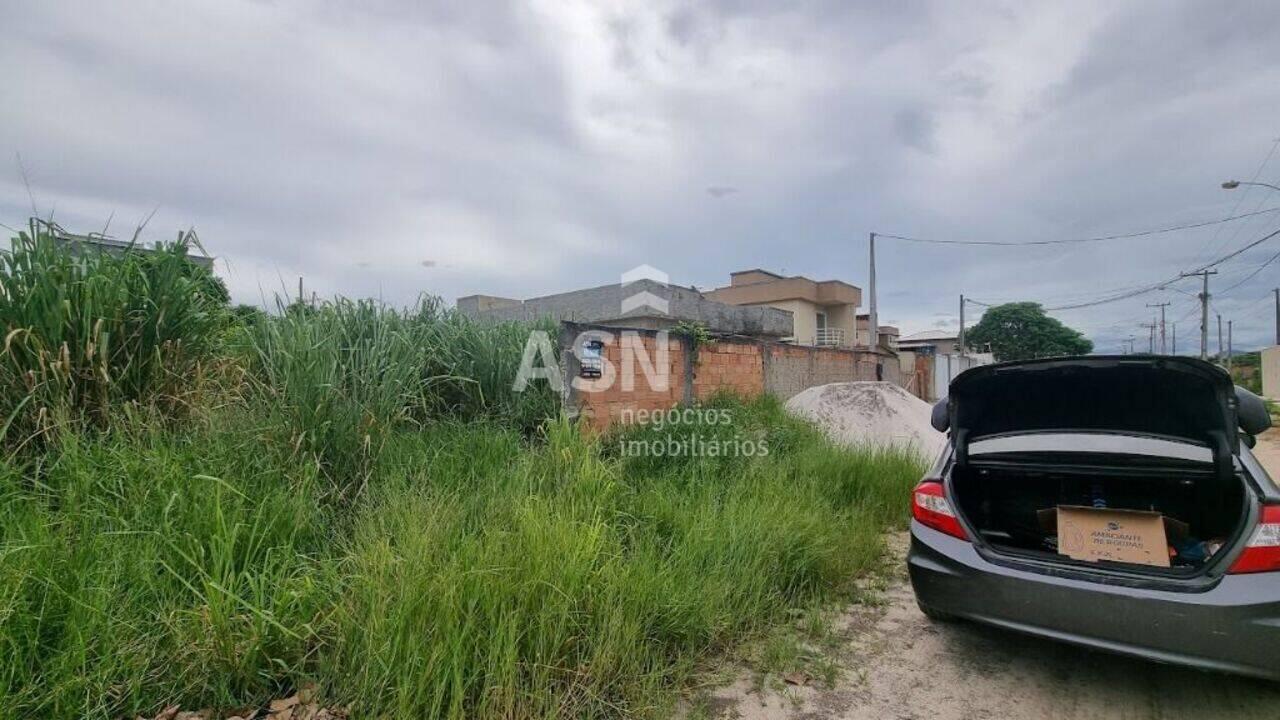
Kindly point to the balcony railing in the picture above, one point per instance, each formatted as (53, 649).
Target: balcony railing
(829, 337)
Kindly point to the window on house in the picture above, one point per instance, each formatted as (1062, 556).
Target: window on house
(822, 321)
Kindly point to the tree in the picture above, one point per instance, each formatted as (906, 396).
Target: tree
(1021, 331)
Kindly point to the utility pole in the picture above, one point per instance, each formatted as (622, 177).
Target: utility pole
(871, 288)
(1229, 346)
(1175, 338)
(962, 353)
(1277, 291)
(1204, 311)
(1219, 316)
(1164, 347)
(1151, 337)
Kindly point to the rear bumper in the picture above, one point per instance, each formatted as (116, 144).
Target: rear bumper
(1233, 627)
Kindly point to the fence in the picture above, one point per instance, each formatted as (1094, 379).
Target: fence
(929, 374)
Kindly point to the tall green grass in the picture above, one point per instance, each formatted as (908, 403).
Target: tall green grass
(571, 583)
(150, 564)
(86, 332)
(341, 376)
(481, 575)
(363, 502)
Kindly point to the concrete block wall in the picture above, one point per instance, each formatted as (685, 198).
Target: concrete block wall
(791, 369)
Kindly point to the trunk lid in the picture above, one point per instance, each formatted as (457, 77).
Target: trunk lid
(1184, 399)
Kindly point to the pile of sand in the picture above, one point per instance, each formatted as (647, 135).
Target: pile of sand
(879, 414)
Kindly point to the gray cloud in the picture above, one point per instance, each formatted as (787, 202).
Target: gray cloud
(527, 149)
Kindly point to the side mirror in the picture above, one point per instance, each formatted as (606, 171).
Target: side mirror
(939, 418)
(1251, 412)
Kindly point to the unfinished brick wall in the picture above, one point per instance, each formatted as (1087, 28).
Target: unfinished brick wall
(605, 401)
(742, 366)
(728, 365)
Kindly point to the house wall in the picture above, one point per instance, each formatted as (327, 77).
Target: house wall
(751, 277)
(804, 318)
(844, 317)
(742, 366)
(472, 304)
(749, 290)
(804, 321)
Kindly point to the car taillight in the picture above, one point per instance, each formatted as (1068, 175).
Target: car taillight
(1262, 553)
(929, 505)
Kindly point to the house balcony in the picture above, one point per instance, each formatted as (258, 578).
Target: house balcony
(830, 337)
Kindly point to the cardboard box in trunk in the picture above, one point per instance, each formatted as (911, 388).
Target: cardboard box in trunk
(1128, 536)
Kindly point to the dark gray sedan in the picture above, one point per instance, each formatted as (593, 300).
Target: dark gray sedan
(1162, 436)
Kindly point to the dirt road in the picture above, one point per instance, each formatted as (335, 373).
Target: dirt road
(898, 665)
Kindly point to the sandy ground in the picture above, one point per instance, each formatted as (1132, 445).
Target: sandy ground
(898, 665)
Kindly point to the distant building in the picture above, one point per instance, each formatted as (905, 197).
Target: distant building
(943, 342)
(643, 303)
(97, 242)
(887, 339)
(824, 312)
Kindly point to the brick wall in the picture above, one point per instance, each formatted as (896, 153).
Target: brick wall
(728, 365)
(741, 366)
(606, 400)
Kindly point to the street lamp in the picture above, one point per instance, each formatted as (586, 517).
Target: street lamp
(1233, 184)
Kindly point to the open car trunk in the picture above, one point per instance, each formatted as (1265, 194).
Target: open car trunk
(1012, 504)
(1096, 435)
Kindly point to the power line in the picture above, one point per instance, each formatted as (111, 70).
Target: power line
(1212, 246)
(1250, 276)
(1170, 281)
(1142, 290)
(1230, 255)
(1113, 295)
(1064, 241)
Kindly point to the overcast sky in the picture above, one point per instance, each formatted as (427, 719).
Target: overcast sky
(391, 150)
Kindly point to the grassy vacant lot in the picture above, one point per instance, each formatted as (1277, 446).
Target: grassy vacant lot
(212, 508)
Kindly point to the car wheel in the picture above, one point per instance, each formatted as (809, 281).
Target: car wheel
(934, 615)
